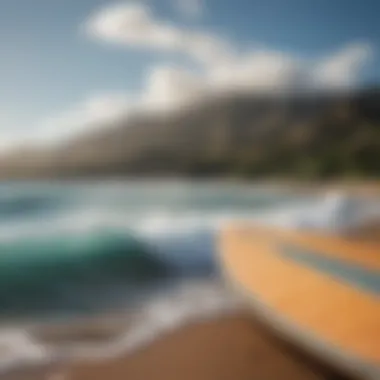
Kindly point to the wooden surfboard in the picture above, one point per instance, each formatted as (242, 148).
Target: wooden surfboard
(320, 291)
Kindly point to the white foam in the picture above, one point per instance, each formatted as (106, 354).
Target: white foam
(329, 212)
(18, 350)
(332, 212)
(193, 301)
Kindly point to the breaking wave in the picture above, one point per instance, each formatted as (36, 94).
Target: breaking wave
(71, 251)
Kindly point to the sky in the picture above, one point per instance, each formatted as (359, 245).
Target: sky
(68, 66)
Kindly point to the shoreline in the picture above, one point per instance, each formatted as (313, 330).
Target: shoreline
(230, 347)
(193, 347)
(124, 366)
(227, 347)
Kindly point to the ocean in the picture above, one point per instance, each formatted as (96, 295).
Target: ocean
(142, 250)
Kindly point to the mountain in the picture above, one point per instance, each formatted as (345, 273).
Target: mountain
(308, 136)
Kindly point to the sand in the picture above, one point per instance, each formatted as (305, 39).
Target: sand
(227, 348)
(234, 347)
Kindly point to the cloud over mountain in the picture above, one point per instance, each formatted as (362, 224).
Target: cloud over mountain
(221, 67)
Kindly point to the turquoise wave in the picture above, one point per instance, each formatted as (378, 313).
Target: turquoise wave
(40, 273)
(24, 206)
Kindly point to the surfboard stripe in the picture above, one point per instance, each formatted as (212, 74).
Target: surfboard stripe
(353, 275)
(343, 316)
(364, 254)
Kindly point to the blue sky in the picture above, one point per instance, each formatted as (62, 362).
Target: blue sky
(50, 66)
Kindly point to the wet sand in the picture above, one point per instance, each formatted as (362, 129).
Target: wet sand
(228, 348)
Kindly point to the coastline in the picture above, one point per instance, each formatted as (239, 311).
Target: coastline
(185, 351)
(229, 347)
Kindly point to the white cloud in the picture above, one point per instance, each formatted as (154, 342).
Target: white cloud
(134, 25)
(94, 112)
(168, 88)
(342, 69)
(257, 72)
(107, 107)
(189, 8)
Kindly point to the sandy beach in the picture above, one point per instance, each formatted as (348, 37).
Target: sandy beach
(231, 347)
(223, 348)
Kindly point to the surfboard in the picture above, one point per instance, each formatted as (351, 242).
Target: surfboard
(319, 291)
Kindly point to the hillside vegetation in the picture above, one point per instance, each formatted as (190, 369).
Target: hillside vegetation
(245, 136)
